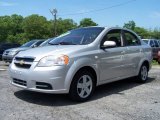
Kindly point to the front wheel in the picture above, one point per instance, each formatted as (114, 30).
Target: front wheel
(143, 74)
(82, 86)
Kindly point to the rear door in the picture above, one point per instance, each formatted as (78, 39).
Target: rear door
(133, 53)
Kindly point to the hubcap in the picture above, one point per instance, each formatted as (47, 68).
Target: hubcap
(84, 86)
(144, 73)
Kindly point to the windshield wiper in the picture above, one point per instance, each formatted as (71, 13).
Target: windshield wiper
(53, 43)
(66, 43)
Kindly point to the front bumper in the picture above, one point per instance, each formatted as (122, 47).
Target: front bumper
(39, 78)
(7, 58)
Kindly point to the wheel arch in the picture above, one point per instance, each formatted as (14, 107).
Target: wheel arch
(146, 62)
(90, 69)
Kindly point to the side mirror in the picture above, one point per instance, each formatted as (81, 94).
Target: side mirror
(108, 44)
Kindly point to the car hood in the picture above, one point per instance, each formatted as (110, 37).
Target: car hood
(18, 49)
(41, 52)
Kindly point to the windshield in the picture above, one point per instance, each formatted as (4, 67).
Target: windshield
(81, 36)
(45, 43)
(28, 44)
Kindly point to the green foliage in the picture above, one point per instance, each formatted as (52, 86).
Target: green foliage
(4, 27)
(64, 25)
(10, 26)
(87, 22)
(154, 62)
(18, 29)
(36, 27)
(156, 33)
(130, 25)
(142, 32)
(18, 38)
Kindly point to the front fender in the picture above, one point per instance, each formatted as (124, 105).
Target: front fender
(77, 65)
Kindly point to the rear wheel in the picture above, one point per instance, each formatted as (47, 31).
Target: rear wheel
(143, 74)
(82, 86)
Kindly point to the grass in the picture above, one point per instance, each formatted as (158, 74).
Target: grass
(154, 62)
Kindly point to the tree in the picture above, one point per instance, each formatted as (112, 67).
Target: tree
(156, 33)
(87, 22)
(4, 27)
(130, 25)
(18, 29)
(18, 38)
(16, 24)
(64, 25)
(143, 33)
(10, 26)
(36, 27)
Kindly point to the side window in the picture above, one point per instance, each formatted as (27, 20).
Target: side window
(113, 35)
(131, 39)
(152, 43)
(156, 43)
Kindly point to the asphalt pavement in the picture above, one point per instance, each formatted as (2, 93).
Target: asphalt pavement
(122, 100)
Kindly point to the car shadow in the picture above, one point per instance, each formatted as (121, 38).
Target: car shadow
(118, 87)
(63, 100)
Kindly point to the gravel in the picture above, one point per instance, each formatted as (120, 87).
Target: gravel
(122, 100)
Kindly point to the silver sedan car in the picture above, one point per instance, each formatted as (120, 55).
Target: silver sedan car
(81, 59)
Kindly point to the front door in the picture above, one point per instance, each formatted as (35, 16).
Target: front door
(111, 60)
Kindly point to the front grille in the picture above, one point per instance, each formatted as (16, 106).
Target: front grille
(26, 59)
(27, 66)
(23, 62)
(19, 82)
(42, 85)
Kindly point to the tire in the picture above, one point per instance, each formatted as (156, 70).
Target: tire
(82, 86)
(143, 74)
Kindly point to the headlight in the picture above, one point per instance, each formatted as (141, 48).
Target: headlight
(53, 60)
(13, 53)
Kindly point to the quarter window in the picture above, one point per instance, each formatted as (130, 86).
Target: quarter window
(156, 43)
(152, 43)
(131, 39)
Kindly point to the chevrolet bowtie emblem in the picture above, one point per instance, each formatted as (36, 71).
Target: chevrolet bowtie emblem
(21, 62)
